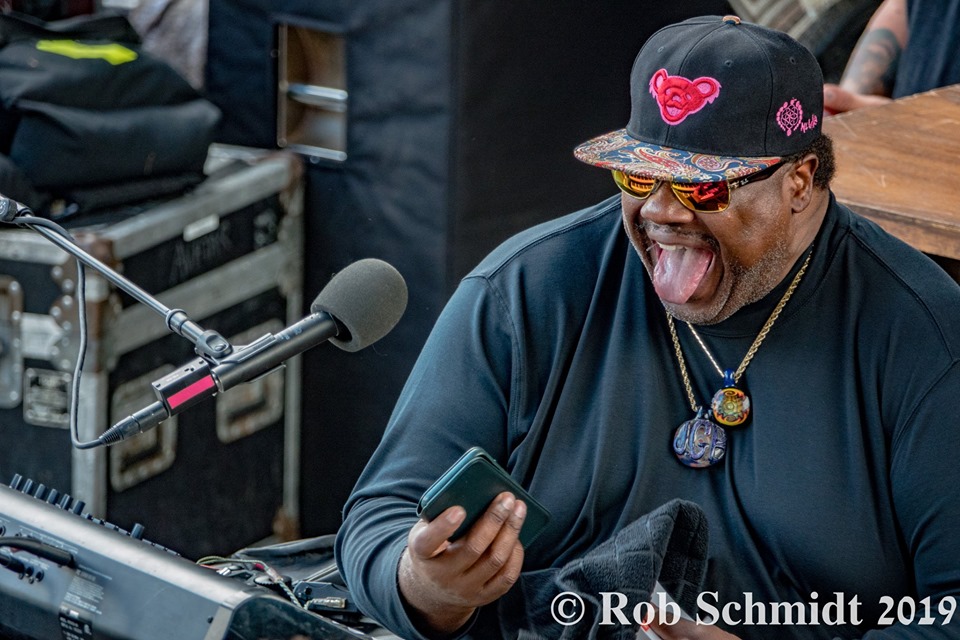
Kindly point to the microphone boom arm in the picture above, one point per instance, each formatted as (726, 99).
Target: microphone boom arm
(220, 367)
(208, 344)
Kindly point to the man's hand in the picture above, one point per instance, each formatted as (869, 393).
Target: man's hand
(446, 581)
(836, 99)
(689, 630)
(871, 71)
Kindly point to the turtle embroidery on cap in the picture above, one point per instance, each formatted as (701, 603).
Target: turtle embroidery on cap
(678, 97)
(790, 118)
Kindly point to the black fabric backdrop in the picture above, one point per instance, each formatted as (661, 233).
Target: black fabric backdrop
(462, 120)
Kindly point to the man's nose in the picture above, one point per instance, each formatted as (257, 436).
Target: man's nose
(662, 207)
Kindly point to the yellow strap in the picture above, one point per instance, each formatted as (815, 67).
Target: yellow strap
(113, 53)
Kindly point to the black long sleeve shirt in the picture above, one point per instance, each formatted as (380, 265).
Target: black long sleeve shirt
(555, 356)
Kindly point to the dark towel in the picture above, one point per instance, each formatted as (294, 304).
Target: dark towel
(668, 544)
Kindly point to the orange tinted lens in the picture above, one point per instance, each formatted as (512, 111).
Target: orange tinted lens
(636, 186)
(706, 197)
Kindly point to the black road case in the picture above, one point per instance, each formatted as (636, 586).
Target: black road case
(221, 475)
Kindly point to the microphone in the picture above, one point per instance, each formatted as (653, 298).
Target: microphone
(359, 305)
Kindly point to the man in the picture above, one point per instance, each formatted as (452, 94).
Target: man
(907, 48)
(722, 332)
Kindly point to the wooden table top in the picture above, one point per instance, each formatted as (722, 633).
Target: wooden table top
(899, 165)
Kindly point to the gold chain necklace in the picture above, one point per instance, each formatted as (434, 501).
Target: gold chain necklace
(701, 442)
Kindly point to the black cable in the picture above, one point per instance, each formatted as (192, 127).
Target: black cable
(31, 222)
(39, 549)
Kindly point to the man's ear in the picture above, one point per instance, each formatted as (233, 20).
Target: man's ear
(798, 184)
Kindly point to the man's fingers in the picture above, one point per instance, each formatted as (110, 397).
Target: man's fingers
(486, 529)
(689, 630)
(427, 539)
(506, 553)
(489, 553)
(507, 576)
(471, 571)
(502, 550)
(835, 99)
(681, 630)
(838, 100)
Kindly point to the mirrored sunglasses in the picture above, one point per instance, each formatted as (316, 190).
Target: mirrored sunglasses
(700, 197)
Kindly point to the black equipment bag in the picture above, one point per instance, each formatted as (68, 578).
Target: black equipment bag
(82, 105)
(59, 147)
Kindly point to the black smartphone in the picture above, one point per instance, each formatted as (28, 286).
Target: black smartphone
(472, 482)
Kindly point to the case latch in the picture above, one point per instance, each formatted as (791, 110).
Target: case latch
(11, 343)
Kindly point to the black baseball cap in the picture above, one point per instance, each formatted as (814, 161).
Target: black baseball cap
(714, 98)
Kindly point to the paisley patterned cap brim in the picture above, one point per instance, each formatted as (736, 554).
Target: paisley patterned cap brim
(618, 151)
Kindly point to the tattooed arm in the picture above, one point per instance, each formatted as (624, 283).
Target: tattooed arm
(871, 71)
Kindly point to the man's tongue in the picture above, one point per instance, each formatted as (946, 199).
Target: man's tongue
(679, 272)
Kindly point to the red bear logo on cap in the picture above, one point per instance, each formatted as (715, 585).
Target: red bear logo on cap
(678, 97)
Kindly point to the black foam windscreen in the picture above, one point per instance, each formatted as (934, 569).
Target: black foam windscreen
(367, 298)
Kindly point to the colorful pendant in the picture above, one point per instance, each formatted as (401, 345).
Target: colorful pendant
(731, 406)
(700, 442)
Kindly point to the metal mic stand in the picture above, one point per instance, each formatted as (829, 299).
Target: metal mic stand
(208, 344)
